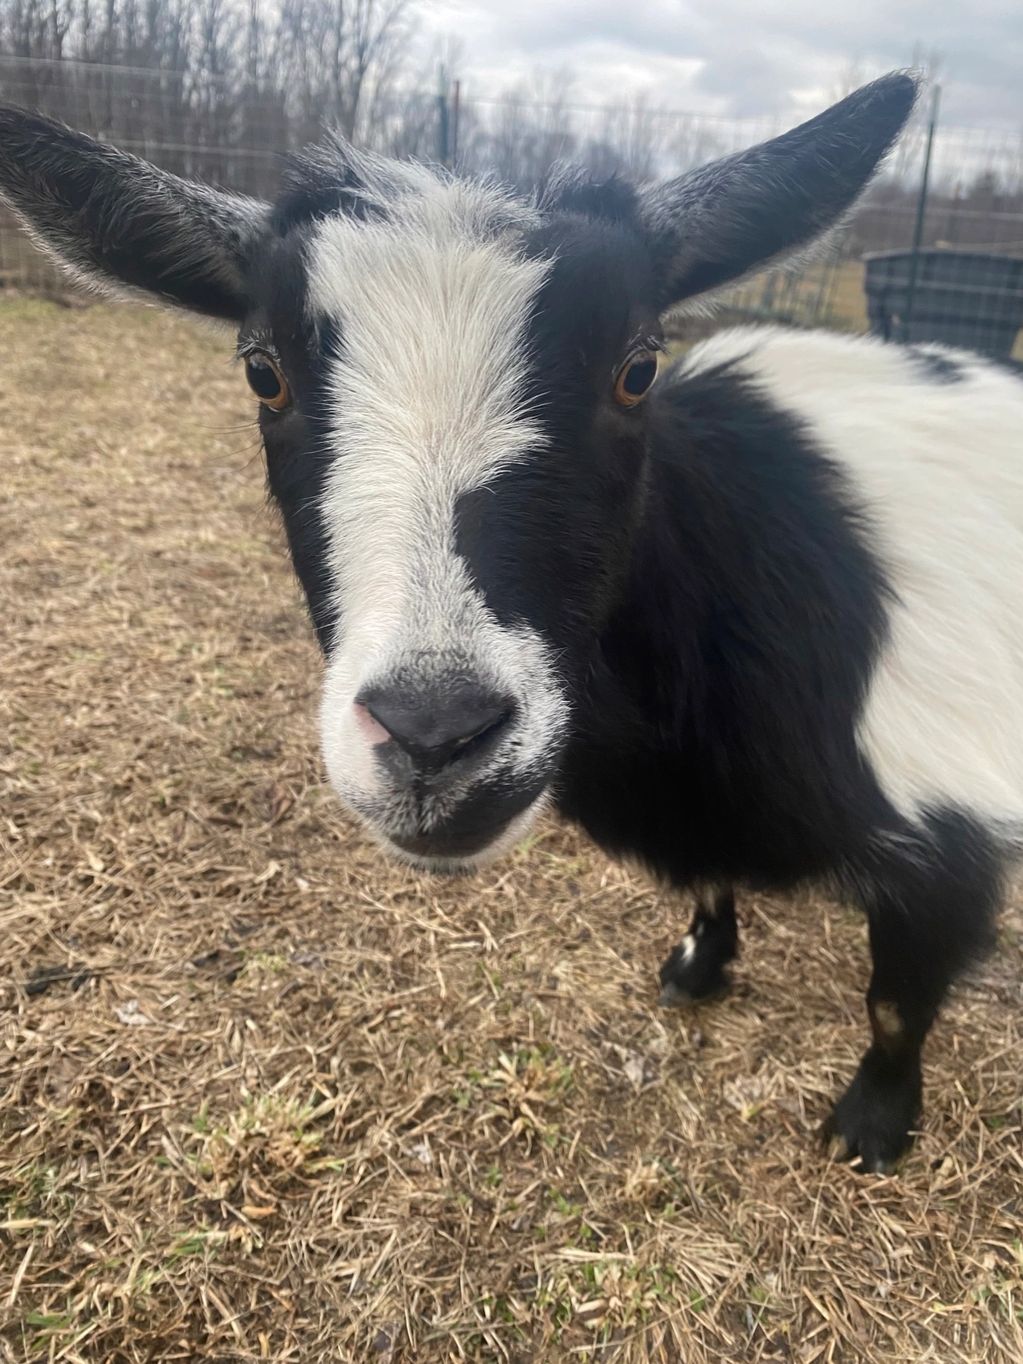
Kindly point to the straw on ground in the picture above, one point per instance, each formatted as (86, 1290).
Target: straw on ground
(264, 1097)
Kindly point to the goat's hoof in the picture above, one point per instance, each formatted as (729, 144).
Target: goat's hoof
(692, 974)
(872, 1124)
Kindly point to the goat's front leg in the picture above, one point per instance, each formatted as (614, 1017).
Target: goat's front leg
(696, 968)
(931, 913)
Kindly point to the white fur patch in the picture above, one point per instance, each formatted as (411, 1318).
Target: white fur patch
(939, 469)
(426, 394)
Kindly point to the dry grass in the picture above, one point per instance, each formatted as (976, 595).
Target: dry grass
(265, 1098)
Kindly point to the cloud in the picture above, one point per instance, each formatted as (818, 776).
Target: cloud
(759, 59)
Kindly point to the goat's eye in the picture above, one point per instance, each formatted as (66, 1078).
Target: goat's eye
(266, 381)
(636, 377)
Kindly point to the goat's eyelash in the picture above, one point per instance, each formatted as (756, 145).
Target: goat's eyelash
(252, 345)
(641, 341)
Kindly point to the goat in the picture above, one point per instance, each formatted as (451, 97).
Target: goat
(751, 618)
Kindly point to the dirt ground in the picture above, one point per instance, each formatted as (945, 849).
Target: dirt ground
(266, 1098)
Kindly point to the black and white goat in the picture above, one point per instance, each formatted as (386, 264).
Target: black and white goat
(752, 618)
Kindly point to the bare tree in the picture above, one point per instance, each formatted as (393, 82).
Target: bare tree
(341, 61)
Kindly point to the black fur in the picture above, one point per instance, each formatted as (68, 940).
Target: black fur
(698, 968)
(296, 440)
(317, 183)
(470, 828)
(768, 603)
(938, 367)
(568, 189)
(931, 899)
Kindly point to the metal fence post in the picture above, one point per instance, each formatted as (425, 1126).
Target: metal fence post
(456, 102)
(443, 119)
(921, 212)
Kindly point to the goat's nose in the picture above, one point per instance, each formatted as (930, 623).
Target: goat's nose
(437, 726)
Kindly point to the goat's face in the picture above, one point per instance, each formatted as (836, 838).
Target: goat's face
(456, 388)
(459, 455)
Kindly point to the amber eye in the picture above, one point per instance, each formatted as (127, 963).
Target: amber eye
(636, 377)
(266, 381)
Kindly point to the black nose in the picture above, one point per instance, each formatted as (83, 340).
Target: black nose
(438, 726)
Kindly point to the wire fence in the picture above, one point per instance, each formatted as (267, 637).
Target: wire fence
(956, 257)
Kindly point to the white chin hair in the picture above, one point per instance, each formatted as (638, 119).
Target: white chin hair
(506, 840)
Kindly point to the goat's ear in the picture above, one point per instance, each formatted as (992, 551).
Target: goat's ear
(713, 225)
(120, 224)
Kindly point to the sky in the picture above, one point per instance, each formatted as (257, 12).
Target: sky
(737, 58)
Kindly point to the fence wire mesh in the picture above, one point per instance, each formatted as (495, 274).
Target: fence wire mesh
(966, 283)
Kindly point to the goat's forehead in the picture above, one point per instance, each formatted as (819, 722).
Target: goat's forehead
(429, 215)
(444, 269)
(468, 249)
(431, 305)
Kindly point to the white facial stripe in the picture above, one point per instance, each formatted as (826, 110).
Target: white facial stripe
(427, 399)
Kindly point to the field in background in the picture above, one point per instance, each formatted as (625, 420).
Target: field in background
(828, 293)
(263, 1097)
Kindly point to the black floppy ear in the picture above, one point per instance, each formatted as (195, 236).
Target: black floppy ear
(121, 224)
(716, 224)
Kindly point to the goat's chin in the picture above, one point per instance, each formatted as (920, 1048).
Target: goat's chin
(464, 864)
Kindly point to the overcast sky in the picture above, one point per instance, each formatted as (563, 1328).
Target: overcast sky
(747, 58)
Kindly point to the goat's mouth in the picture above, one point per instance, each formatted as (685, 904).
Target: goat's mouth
(477, 834)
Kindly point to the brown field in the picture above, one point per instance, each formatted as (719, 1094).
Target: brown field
(266, 1098)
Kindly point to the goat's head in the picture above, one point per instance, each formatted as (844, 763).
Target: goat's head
(452, 388)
